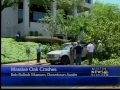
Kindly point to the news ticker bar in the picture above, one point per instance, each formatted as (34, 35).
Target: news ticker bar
(80, 70)
(60, 75)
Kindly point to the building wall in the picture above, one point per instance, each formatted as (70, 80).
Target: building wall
(9, 21)
(19, 28)
(34, 26)
(41, 28)
(10, 26)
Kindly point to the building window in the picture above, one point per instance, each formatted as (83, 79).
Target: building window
(20, 15)
(38, 15)
(20, 12)
(88, 1)
(37, 12)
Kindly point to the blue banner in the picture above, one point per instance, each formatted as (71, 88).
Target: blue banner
(59, 75)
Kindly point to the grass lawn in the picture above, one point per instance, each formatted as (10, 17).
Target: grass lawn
(12, 51)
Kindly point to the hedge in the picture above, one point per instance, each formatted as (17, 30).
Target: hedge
(12, 51)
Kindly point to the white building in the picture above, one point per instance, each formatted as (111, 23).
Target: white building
(18, 18)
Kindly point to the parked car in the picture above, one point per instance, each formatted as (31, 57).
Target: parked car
(62, 55)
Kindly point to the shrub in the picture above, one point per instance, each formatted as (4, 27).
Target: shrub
(105, 62)
(36, 33)
(12, 51)
(31, 33)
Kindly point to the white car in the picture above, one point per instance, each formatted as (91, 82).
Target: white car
(62, 55)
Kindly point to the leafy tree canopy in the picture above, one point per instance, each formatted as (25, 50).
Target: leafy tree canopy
(8, 3)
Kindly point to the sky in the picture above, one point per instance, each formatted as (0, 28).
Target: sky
(117, 2)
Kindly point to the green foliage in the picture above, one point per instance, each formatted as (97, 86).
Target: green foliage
(8, 3)
(104, 23)
(105, 62)
(45, 3)
(66, 5)
(12, 51)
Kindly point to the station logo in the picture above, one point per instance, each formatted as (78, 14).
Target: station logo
(99, 71)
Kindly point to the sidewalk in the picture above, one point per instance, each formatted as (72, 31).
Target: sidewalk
(42, 62)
